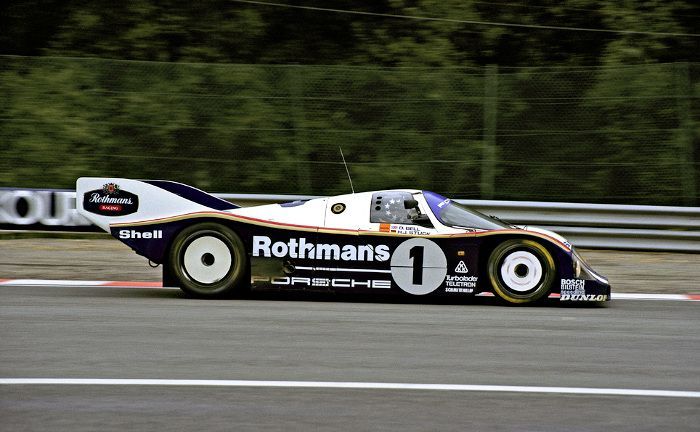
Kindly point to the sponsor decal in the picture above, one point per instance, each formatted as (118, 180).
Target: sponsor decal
(464, 284)
(583, 297)
(323, 282)
(460, 290)
(575, 290)
(573, 286)
(48, 209)
(461, 268)
(111, 200)
(338, 208)
(303, 249)
(443, 203)
(461, 283)
(418, 265)
(133, 234)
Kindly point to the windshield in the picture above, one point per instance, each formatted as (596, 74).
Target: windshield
(454, 214)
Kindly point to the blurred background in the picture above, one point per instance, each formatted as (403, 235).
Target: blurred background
(572, 100)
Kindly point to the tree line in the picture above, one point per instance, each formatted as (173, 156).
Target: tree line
(240, 97)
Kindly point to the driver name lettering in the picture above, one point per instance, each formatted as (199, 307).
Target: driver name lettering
(301, 248)
(408, 229)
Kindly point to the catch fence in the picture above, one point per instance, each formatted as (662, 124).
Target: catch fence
(626, 134)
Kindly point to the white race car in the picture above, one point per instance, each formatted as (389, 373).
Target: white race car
(403, 242)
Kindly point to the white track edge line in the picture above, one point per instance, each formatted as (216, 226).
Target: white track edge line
(649, 296)
(32, 282)
(77, 284)
(353, 385)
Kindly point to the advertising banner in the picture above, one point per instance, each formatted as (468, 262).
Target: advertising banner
(41, 210)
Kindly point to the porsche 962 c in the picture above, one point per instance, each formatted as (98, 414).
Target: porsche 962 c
(403, 242)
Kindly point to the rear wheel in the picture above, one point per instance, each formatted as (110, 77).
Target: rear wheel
(208, 260)
(521, 271)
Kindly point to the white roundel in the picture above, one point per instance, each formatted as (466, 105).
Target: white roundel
(418, 266)
(521, 271)
(207, 260)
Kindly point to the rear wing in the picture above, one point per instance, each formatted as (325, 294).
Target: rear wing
(106, 200)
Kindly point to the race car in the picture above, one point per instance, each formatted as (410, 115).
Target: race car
(403, 242)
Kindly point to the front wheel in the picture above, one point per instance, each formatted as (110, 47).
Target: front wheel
(208, 260)
(521, 271)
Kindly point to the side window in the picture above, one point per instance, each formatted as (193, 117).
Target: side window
(388, 207)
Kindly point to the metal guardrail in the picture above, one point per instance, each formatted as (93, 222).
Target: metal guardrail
(607, 226)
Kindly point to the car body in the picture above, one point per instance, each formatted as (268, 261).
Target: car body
(403, 242)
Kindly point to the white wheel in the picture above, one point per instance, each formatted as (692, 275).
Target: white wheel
(521, 271)
(207, 260)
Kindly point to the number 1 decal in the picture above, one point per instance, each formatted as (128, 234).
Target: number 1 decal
(418, 266)
(416, 253)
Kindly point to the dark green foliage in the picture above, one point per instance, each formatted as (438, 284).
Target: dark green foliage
(242, 98)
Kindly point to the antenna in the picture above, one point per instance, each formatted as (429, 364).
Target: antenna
(346, 168)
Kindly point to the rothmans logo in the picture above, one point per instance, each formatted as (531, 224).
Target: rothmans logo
(301, 248)
(111, 200)
(109, 190)
(95, 197)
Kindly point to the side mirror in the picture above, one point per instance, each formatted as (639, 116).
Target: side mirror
(418, 218)
(410, 204)
(422, 220)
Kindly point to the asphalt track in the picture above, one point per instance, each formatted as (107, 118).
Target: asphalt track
(115, 333)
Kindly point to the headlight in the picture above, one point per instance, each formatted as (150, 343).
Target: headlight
(577, 265)
(583, 271)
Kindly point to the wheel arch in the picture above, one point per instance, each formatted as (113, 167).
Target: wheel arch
(180, 226)
(490, 242)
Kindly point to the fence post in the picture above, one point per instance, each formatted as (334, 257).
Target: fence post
(488, 158)
(685, 126)
(298, 125)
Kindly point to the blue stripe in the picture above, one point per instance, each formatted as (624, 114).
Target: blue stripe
(193, 194)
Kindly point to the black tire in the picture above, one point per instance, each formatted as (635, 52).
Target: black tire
(521, 271)
(208, 260)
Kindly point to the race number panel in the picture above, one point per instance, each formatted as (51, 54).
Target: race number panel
(418, 266)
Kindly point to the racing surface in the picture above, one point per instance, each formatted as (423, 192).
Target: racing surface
(126, 333)
(97, 332)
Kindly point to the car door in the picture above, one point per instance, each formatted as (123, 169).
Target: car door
(346, 260)
(373, 228)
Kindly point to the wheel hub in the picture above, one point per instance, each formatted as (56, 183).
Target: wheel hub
(521, 270)
(208, 259)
